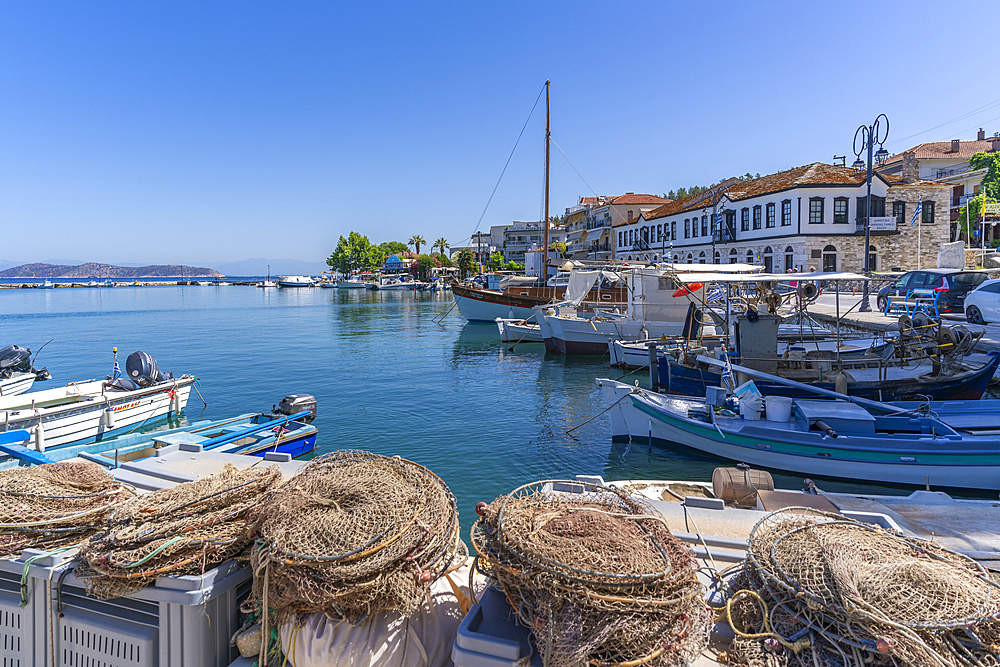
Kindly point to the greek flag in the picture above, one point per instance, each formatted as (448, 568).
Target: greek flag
(117, 373)
(916, 213)
(715, 295)
(727, 373)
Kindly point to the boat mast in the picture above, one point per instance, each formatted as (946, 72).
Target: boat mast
(548, 133)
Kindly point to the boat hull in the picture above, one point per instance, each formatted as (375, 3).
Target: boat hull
(484, 305)
(16, 384)
(640, 417)
(577, 335)
(83, 421)
(518, 331)
(678, 379)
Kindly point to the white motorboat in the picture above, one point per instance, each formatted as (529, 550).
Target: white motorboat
(17, 374)
(351, 283)
(518, 331)
(223, 284)
(47, 285)
(295, 281)
(205, 283)
(267, 282)
(396, 284)
(96, 409)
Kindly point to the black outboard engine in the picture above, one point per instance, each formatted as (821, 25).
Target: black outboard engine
(296, 403)
(141, 368)
(17, 359)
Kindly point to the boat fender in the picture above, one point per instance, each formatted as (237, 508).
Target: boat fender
(752, 315)
(108, 419)
(840, 383)
(823, 426)
(40, 438)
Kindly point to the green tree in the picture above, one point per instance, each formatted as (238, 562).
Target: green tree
(392, 248)
(354, 253)
(514, 266)
(424, 265)
(465, 260)
(445, 260)
(560, 248)
(416, 241)
(989, 190)
(496, 261)
(442, 244)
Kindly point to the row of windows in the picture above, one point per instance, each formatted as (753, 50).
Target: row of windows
(659, 234)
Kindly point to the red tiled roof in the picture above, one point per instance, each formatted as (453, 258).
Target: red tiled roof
(816, 173)
(942, 149)
(632, 198)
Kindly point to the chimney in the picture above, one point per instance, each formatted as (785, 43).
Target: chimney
(954, 145)
(981, 136)
(994, 144)
(910, 171)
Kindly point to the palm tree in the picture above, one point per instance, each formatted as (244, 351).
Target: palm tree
(416, 240)
(443, 244)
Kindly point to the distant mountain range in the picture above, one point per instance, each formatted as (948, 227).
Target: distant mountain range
(92, 270)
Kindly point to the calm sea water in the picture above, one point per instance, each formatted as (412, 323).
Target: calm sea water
(393, 372)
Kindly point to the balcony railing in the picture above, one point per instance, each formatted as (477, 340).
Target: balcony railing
(944, 173)
(961, 201)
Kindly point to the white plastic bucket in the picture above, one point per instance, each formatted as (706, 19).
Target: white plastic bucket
(778, 408)
(750, 409)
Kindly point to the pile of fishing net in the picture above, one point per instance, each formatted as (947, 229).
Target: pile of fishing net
(187, 529)
(54, 505)
(352, 534)
(819, 589)
(595, 574)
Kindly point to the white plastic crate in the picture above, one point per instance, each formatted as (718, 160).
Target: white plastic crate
(176, 622)
(17, 623)
(491, 636)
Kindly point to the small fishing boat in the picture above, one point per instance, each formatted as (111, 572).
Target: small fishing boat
(267, 282)
(47, 285)
(398, 283)
(96, 409)
(223, 284)
(17, 372)
(518, 331)
(351, 283)
(635, 354)
(953, 444)
(295, 281)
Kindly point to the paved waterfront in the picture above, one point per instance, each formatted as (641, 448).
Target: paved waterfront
(824, 310)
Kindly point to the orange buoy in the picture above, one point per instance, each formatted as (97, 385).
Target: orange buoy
(687, 289)
(481, 508)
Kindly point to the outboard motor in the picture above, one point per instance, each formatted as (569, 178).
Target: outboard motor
(15, 358)
(296, 403)
(141, 368)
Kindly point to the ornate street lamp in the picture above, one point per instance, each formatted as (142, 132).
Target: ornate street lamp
(869, 135)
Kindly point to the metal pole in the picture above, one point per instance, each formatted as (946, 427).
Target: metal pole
(653, 384)
(865, 306)
(548, 134)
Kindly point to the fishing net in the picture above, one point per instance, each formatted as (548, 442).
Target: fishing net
(820, 589)
(187, 529)
(54, 505)
(352, 534)
(595, 574)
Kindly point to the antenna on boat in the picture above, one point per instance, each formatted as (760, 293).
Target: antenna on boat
(548, 139)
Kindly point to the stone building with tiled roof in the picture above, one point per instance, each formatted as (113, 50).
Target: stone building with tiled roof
(947, 162)
(589, 223)
(809, 216)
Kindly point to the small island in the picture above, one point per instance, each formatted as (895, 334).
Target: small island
(93, 270)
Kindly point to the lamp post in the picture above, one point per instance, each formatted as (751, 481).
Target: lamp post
(869, 135)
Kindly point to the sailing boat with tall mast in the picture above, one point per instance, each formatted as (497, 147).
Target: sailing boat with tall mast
(516, 299)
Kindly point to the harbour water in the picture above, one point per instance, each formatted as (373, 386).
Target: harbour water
(393, 372)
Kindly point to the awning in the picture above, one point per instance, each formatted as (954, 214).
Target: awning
(761, 277)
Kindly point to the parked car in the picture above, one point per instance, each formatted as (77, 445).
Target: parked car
(951, 284)
(982, 305)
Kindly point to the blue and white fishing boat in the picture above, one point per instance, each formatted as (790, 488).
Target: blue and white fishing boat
(949, 443)
(95, 410)
(17, 371)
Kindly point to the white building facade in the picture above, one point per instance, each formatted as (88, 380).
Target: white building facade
(810, 217)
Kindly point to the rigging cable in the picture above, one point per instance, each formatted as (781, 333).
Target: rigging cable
(507, 163)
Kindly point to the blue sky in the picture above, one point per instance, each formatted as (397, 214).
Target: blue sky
(212, 132)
